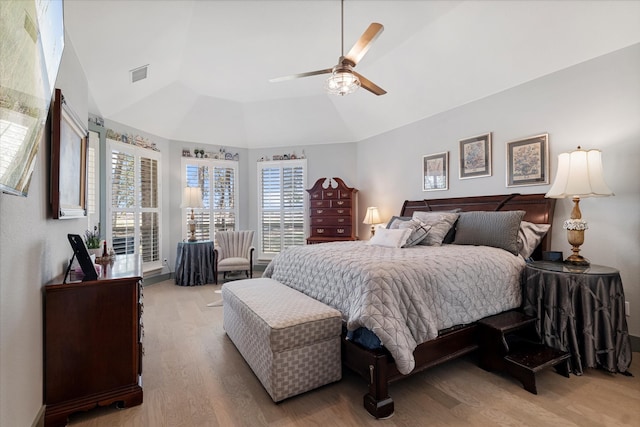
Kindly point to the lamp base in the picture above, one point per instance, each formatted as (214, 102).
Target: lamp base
(577, 260)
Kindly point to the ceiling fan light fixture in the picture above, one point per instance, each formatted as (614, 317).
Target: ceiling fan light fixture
(342, 82)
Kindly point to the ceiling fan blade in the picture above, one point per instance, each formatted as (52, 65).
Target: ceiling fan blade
(297, 76)
(364, 43)
(369, 85)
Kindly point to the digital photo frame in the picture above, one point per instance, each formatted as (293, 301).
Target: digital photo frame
(84, 259)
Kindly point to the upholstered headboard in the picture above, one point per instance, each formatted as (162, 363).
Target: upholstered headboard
(538, 209)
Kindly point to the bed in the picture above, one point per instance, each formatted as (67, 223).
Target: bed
(422, 302)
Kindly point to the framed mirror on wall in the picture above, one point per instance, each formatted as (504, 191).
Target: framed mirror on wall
(31, 43)
(69, 143)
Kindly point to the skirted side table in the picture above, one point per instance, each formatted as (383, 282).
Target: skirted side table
(195, 264)
(579, 310)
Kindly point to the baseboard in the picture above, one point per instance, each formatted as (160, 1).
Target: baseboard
(156, 278)
(39, 420)
(635, 343)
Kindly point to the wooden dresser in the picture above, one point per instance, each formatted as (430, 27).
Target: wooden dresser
(93, 341)
(333, 210)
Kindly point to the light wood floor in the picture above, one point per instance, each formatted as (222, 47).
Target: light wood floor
(193, 376)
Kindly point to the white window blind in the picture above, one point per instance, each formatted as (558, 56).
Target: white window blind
(218, 180)
(282, 206)
(133, 195)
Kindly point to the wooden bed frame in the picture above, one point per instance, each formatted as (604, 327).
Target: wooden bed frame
(377, 366)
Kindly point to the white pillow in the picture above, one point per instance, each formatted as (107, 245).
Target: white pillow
(390, 238)
(529, 237)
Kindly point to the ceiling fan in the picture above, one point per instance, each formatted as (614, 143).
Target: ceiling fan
(344, 79)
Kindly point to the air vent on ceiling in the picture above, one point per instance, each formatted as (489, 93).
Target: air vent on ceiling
(139, 73)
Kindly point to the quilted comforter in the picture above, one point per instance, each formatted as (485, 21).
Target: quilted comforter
(405, 296)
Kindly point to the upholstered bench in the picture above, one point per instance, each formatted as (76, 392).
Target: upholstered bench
(290, 341)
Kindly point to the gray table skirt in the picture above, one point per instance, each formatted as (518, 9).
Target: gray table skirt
(582, 314)
(195, 263)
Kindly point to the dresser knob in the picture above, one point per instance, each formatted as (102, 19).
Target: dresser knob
(340, 202)
(320, 230)
(340, 230)
(340, 211)
(340, 219)
(320, 211)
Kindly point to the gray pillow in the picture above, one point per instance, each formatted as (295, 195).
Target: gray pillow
(440, 223)
(419, 229)
(496, 229)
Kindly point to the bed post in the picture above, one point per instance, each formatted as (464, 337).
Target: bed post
(377, 401)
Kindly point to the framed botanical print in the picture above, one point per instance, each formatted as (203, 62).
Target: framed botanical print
(475, 156)
(528, 161)
(435, 172)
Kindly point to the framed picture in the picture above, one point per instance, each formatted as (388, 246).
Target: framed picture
(528, 161)
(475, 156)
(435, 172)
(68, 161)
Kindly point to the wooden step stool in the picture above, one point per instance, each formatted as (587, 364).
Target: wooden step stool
(508, 343)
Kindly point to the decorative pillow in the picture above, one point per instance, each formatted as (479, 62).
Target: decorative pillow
(395, 221)
(390, 238)
(529, 237)
(497, 229)
(419, 231)
(440, 222)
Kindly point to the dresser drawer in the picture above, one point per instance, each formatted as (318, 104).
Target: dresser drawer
(330, 220)
(330, 212)
(341, 203)
(320, 203)
(331, 231)
(342, 194)
(329, 194)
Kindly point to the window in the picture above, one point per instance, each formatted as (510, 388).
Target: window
(282, 210)
(218, 180)
(133, 207)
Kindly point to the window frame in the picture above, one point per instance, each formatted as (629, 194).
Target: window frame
(281, 164)
(137, 210)
(185, 213)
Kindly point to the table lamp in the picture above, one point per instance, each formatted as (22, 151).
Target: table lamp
(372, 218)
(579, 175)
(192, 198)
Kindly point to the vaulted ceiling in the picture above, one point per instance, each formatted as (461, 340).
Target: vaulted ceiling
(210, 61)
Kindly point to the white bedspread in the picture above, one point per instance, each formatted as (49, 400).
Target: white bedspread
(405, 296)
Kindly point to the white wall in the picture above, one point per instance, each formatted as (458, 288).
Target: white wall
(595, 104)
(33, 250)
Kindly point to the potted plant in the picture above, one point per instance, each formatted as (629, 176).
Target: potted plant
(92, 240)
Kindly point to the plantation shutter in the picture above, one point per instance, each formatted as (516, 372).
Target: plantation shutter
(122, 202)
(282, 206)
(149, 226)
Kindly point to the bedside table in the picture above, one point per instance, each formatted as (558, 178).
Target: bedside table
(579, 309)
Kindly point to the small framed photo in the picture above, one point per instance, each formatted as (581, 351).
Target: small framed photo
(528, 161)
(435, 172)
(475, 156)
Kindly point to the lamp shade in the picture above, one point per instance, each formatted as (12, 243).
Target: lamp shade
(372, 216)
(579, 174)
(192, 198)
